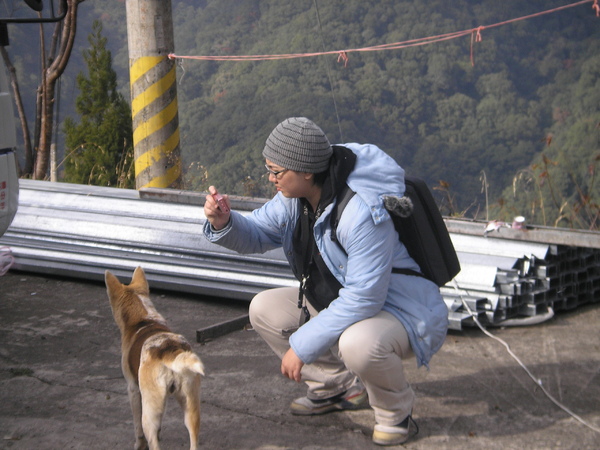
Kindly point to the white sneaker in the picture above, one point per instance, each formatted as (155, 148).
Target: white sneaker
(392, 435)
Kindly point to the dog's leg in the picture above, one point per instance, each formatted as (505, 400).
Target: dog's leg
(189, 399)
(135, 400)
(154, 398)
(153, 405)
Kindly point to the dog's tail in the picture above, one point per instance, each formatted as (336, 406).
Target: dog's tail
(187, 362)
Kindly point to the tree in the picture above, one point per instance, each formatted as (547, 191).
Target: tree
(53, 64)
(560, 186)
(99, 149)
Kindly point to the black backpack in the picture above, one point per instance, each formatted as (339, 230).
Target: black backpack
(423, 233)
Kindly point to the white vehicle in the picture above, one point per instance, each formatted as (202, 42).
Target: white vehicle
(9, 179)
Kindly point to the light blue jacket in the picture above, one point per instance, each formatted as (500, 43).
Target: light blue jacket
(366, 232)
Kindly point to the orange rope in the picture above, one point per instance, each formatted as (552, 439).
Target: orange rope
(343, 54)
(343, 57)
(475, 36)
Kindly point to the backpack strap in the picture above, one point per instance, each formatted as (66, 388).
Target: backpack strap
(308, 242)
(408, 272)
(344, 196)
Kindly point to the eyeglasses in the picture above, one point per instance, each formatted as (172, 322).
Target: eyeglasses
(275, 173)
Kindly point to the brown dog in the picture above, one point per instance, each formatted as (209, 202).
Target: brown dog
(155, 361)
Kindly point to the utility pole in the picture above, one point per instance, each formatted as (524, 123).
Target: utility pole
(153, 94)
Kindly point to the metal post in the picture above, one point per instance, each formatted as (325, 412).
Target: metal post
(153, 94)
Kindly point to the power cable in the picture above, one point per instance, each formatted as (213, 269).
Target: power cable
(328, 72)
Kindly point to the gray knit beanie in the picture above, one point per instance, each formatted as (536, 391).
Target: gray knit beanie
(298, 144)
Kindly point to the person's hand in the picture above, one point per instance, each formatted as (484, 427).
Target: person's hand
(291, 366)
(217, 218)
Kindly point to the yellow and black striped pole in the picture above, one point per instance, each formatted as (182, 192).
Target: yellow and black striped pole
(153, 94)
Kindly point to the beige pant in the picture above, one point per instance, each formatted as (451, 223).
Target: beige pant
(371, 349)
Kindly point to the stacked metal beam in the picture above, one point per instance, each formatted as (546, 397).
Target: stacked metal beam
(509, 276)
(80, 231)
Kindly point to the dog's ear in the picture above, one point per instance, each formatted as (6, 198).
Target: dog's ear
(138, 281)
(113, 285)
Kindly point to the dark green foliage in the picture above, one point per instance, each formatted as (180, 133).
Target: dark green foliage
(439, 116)
(561, 187)
(99, 149)
(442, 118)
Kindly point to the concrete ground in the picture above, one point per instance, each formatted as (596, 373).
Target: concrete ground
(61, 385)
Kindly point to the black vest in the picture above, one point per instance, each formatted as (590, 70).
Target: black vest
(321, 287)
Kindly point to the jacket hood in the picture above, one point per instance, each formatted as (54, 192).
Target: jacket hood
(376, 175)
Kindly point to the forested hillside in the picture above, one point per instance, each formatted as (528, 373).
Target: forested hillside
(523, 110)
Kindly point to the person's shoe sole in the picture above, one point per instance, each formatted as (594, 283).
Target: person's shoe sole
(385, 435)
(387, 439)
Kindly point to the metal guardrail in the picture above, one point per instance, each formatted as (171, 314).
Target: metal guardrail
(81, 231)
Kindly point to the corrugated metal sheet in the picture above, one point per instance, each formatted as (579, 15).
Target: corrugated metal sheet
(80, 231)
